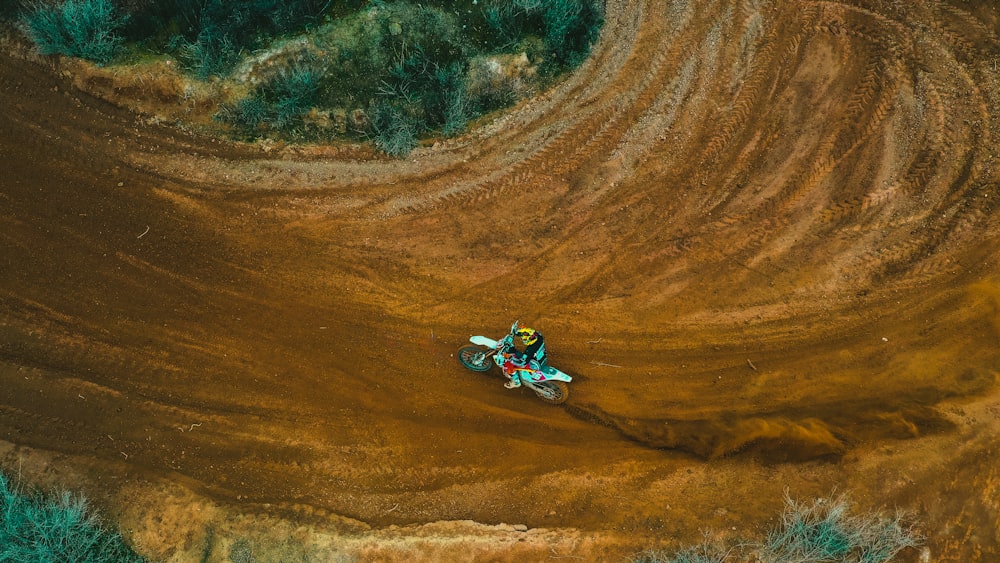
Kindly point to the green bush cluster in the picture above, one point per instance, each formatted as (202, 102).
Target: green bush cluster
(209, 36)
(404, 65)
(568, 27)
(409, 68)
(38, 529)
(89, 29)
(823, 531)
(394, 128)
(280, 103)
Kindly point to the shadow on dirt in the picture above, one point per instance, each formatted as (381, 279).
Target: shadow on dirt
(792, 435)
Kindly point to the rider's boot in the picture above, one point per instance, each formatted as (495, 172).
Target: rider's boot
(514, 383)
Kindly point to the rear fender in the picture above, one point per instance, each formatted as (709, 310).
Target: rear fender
(552, 374)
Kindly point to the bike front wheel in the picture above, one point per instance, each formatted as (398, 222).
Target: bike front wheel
(475, 358)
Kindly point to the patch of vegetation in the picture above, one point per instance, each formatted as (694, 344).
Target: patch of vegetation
(568, 27)
(823, 531)
(705, 552)
(36, 528)
(249, 114)
(279, 104)
(210, 36)
(394, 128)
(402, 65)
(241, 552)
(88, 29)
(387, 70)
(455, 107)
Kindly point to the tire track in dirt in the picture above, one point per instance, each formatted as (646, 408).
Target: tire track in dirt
(910, 257)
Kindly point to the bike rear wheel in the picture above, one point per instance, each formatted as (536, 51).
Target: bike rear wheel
(474, 358)
(552, 392)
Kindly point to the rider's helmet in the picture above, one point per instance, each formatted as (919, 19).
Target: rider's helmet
(527, 335)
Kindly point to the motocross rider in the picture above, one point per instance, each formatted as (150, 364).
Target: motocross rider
(532, 358)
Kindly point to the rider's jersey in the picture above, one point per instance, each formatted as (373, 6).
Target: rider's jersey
(535, 351)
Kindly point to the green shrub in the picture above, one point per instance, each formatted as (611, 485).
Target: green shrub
(212, 53)
(820, 532)
(248, 114)
(33, 528)
(87, 29)
(456, 111)
(292, 93)
(824, 531)
(279, 103)
(567, 27)
(561, 17)
(393, 128)
(425, 50)
(406, 62)
(506, 20)
(571, 27)
(443, 99)
(209, 36)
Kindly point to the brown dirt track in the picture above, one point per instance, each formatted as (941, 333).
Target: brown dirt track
(762, 236)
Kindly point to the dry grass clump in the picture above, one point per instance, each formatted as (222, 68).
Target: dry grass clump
(36, 528)
(88, 29)
(817, 532)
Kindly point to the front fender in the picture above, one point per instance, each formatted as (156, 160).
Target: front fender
(483, 341)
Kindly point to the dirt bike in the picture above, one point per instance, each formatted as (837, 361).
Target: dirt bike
(546, 381)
